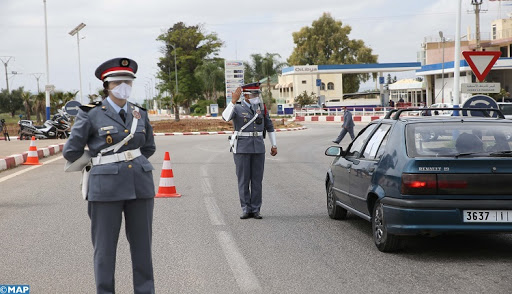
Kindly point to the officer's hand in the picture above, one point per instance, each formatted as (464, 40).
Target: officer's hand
(236, 95)
(273, 151)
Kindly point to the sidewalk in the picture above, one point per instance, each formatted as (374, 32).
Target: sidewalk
(14, 152)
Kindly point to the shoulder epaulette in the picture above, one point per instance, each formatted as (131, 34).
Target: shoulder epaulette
(139, 106)
(90, 106)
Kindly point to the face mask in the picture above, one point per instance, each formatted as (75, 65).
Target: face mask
(122, 91)
(255, 100)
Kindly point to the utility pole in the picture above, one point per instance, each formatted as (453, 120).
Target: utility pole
(37, 75)
(5, 60)
(477, 9)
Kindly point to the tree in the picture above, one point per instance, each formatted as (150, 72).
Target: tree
(59, 99)
(27, 103)
(264, 67)
(389, 80)
(191, 46)
(327, 42)
(39, 106)
(211, 76)
(11, 102)
(305, 99)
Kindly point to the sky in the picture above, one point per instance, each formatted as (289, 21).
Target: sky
(394, 29)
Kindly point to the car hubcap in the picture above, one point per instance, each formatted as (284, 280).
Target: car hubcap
(379, 226)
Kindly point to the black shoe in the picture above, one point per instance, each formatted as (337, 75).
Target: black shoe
(245, 216)
(335, 142)
(257, 215)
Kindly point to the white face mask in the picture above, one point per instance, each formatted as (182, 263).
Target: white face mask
(122, 91)
(255, 100)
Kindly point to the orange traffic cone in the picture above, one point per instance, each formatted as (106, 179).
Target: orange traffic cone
(166, 189)
(32, 157)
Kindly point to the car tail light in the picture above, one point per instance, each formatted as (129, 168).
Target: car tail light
(419, 184)
(452, 184)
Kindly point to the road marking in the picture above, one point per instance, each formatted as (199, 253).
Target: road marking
(28, 169)
(214, 211)
(207, 187)
(244, 276)
(204, 171)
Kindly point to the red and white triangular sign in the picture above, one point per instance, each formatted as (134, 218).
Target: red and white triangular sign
(481, 62)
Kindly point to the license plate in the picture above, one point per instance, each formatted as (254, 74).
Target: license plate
(487, 216)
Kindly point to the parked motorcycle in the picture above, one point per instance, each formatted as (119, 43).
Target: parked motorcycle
(57, 127)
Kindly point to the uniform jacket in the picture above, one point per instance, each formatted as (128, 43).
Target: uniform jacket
(347, 120)
(119, 180)
(241, 115)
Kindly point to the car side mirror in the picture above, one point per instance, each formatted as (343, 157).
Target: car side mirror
(334, 151)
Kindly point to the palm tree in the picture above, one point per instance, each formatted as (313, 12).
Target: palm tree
(271, 66)
(27, 103)
(211, 73)
(38, 107)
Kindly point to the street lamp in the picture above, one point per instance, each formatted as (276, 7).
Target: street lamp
(48, 86)
(76, 31)
(443, 40)
(175, 67)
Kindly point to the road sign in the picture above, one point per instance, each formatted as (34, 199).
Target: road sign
(480, 101)
(72, 107)
(481, 62)
(49, 88)
(214, 109)
(318, 82)
(381, 80)
(234, 77)
(480, 88)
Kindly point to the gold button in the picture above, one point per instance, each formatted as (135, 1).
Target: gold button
(130, 166)
(126, 143)
(108, 132)
(126, 131)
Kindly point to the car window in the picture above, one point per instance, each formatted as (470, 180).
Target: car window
(375, 141)
(450, 139)
(506, 109)
(359, 142)
(382, 147)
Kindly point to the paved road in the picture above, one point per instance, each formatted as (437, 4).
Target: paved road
(201, 246)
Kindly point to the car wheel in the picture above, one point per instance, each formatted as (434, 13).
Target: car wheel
(334, 211)
(384, 241)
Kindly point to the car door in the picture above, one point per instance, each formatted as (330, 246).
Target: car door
(343, 166)
(362, 170)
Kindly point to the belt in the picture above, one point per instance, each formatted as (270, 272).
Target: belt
(117, 157)
(250, 134)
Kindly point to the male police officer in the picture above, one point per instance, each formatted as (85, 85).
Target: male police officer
(120, 139)
(250, 120)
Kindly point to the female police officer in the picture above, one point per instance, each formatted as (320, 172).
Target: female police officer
(120, 140)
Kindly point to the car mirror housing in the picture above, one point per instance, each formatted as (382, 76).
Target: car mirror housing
(334, 151)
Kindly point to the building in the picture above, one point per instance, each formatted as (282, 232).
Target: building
(410, 91)
(439, 76)
(327, 81)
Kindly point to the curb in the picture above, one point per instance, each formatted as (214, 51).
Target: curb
(14, 160)
(331, 118)
(220, 133)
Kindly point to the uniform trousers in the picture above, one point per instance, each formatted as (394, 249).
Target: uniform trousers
(343, 133)
(249, 170)
(106, 218)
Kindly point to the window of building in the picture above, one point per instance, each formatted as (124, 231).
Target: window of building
(330, 86)
(303, 81)
(322, 87)
(494, 32)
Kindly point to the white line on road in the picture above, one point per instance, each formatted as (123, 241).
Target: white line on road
(244, 276)
(207, 187)
(214, 211)
(28, 169)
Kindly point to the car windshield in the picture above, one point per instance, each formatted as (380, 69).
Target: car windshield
(506, 109)
(459, 138)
